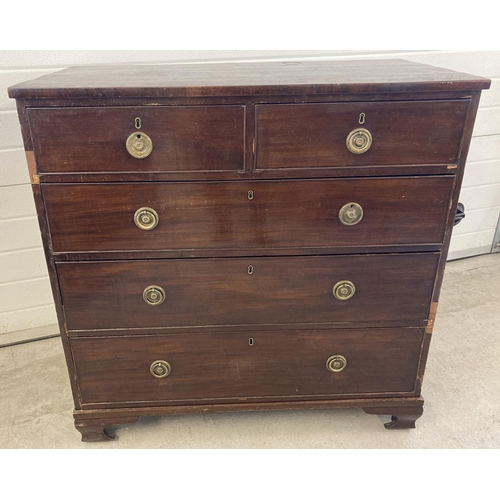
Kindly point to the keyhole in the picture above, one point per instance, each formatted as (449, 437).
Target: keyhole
(250, 195)
(138, 136)
(250, 341)
(250, 269)
(362, 117)
(137, 123)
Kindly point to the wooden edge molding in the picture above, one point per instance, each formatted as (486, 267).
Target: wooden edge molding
(30, 159)
(110, 415)
(432, 317)
(94, 424)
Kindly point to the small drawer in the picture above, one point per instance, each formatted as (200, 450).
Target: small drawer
(250, 366)
(138, 139)
(391, 290)
(378, 133)
(259, 216)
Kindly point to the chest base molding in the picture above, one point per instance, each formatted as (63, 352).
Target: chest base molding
(101, 425)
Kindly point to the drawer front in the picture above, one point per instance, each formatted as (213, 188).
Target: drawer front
(315, 135)
(226, 367)
(391, 289)
(220, 215)
(184, 138)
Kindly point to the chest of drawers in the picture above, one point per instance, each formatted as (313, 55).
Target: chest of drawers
(239, 237)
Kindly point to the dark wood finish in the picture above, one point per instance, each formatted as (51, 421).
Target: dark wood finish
(112, 415)
(314, 135)
(43, 223)
(464, 149)
(242, 79)
(99, 421)
(108, 295)
(242, 100)
(240, 175)
(185, 138)
(402, 416)
(99, 429)
(233, 99)
(219, 215)
(93, 432)
(277, 252)
(277, 365)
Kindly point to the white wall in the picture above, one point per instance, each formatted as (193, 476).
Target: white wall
(25, 297)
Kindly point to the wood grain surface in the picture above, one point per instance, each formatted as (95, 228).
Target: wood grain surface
(224, 366)
(314, 135)
(203, 292)
(219, 215)
(185, 138)
(240, 79)
(236, 269)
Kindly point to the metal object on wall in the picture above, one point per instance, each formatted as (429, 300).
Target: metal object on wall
(460, 215)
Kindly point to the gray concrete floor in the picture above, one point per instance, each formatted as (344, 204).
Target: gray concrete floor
(461, 390)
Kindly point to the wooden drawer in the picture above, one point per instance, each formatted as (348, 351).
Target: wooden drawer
(389, 289)
(184, 138)
(226, 367)
(403, 133)
(220, 216)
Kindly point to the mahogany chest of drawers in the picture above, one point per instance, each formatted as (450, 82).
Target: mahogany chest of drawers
(237, 237)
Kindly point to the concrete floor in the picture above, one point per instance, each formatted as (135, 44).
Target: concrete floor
(461, 390)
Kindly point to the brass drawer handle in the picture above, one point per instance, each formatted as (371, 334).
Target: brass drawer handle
(351, 214)
(359, 141)
(146, 218)
(154, 295)
(336, 363)
(139, 145)
(344, 290)
(160, 368)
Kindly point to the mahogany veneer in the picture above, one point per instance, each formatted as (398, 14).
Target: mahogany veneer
(200, 216)
(279, 243)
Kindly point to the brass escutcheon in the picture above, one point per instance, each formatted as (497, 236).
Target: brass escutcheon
(139, 145)
(343, 290)
(160, 368)
(146, 218)
(359, 141)
(153, 295)
(336, 363)
(350, 214)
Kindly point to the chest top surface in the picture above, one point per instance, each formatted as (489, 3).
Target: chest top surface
(246, 79)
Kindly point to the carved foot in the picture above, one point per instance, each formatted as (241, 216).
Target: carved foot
(402, 417)
(93, 433)
(95, 430)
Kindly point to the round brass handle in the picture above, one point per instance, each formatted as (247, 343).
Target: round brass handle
(344, 290)
(139, 145)
(146, 218)
(154, 295)
(359, 141)
(336, 363)
(350, 214)
(160, 368)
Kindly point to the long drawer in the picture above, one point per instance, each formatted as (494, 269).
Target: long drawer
(378, 133)
(248, 215)
(376, 289)
(246, 366)
(169, 138)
